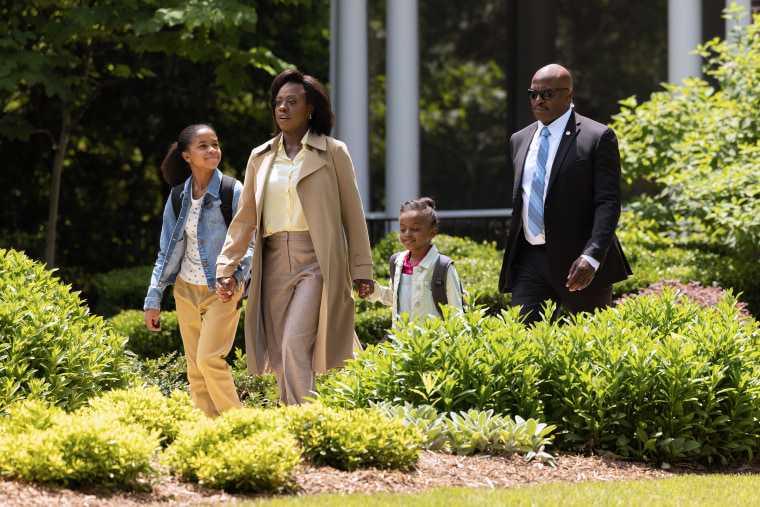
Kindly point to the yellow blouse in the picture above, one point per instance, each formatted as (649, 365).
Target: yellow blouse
(282, 207)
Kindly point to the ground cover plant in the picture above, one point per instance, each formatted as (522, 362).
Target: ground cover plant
(474, 431)
(51, 346)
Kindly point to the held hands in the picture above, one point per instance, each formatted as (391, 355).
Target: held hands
(581, 274)
(153, 319)
(226, 288)
(364, 288)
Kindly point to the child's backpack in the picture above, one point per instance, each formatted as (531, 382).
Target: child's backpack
(226, 193)
(438, 285)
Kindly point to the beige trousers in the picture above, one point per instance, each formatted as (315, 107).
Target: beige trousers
(208, 330)
(291, 294)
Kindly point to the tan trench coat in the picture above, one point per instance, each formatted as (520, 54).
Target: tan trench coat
(333, 210)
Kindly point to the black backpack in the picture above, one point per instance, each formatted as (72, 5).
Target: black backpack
(439, 278)
(226, 193)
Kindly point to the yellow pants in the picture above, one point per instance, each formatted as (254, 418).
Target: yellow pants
(208, 330)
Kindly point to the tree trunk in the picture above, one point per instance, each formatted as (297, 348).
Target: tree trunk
(55, 187)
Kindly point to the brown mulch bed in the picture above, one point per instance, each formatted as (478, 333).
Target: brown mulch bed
(432, 471)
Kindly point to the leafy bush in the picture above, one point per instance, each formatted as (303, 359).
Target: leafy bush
(656, 377)
(456, 363)
(41, 443)
(147, 408)
(51, 347)
(124, 289)
(699, 147)
(168, 373)
(352, 439)
(242, 450)
(373, 324)
(254, 390)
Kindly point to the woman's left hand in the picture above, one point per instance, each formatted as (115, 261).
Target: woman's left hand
(364, 288)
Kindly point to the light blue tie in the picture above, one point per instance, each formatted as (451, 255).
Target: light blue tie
(536, 205)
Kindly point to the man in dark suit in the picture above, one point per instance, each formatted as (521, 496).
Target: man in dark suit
(561, 244)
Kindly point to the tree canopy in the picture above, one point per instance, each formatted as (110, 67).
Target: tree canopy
(61, 55)
(93, 92)
(699, 146)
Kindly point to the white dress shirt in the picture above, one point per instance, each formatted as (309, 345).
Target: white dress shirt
(557, 129)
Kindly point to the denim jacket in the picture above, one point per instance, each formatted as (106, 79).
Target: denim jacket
(211, 235)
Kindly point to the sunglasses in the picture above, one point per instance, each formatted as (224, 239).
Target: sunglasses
(544, 94)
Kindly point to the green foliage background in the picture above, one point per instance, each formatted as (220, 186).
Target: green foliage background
(163, 65)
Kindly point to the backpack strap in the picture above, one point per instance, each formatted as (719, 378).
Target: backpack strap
(438, 284)
(393, 266)
(177, 198)
(226, 194)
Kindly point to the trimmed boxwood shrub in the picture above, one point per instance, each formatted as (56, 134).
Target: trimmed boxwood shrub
(352, 439)
(242, 450)
(42, 443)
(51, 347)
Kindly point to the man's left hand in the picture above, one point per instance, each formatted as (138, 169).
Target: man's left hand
(581, 274)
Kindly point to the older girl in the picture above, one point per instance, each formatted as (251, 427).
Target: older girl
(190, 243)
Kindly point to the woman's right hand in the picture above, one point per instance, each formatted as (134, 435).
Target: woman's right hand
(153, 319)
(225, 288)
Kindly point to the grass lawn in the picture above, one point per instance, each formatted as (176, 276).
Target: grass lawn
(697, 490)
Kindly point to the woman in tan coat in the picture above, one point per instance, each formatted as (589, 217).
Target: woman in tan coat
(301, 200)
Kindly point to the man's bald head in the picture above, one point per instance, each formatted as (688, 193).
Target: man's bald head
(552, 77)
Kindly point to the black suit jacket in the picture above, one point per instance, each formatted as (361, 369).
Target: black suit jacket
(582, 204)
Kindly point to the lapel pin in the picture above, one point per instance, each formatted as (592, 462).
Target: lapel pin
(567, 132)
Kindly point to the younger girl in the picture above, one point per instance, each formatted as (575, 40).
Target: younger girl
(411, 288)
(190, 243)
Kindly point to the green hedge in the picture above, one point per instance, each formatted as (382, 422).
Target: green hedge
(654, 378)
(655, 258)
(124, 289)
(51, 347)
(154, 344)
